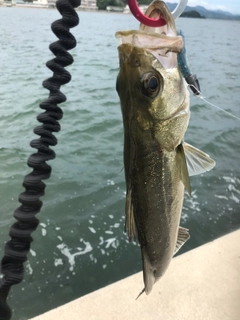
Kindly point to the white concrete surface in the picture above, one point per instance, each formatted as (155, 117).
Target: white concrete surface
(202, 284)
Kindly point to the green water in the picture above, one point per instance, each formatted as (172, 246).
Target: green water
(80, 245)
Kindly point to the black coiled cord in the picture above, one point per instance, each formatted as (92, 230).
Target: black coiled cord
(16, 249)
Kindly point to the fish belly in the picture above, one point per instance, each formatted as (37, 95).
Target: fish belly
(157, 198)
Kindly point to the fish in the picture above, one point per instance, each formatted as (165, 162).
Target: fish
(155, 107)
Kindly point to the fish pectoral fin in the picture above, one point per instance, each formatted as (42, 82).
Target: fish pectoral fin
(183, 236)
(197, 161)
(184, 170)
(130, 225)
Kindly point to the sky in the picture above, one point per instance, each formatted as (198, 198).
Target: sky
(232, 6)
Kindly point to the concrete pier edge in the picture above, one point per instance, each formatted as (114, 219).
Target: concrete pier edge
(202, 284)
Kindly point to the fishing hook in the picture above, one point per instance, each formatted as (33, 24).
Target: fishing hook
(141, 17)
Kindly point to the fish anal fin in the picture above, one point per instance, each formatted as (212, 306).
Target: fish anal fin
(130, 225)
(197, 161)
(184, 170)
(183, 236)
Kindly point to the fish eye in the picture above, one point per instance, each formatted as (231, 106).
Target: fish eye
(150, 85)
(153, 84)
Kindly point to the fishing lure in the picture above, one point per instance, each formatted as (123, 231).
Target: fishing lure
(185, 70)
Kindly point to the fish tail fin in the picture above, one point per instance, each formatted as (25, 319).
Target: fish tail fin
(148, 273)
(143, 290)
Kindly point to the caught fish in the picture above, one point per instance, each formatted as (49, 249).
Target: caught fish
(155, 109)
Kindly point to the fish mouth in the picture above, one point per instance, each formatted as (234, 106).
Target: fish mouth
(156, 10)
(162, 42)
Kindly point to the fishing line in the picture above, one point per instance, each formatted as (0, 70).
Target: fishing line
(200, 96)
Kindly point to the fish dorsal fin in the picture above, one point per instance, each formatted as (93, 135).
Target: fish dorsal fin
(197, 161)
(183, 236)
(184, 170)
(130, 225)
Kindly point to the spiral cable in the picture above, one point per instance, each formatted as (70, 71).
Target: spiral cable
(16, 249)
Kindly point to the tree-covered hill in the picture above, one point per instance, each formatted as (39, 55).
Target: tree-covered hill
(191, 14)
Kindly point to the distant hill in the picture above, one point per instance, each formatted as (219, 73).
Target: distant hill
(192, 14)
(209, 14)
